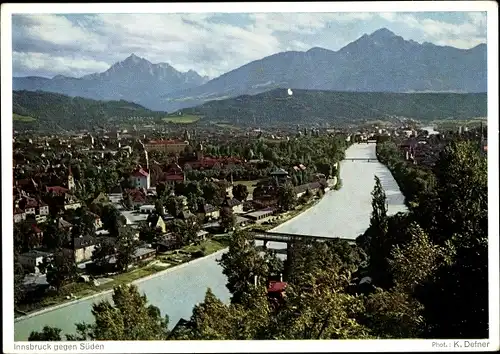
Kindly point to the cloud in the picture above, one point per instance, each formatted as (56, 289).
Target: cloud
(39, 62)
(211, 44)
(463, 35)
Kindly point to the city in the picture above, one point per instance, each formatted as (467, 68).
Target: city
(279, 200)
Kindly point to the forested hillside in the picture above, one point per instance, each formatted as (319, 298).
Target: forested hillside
(276, 106)
(44, 110)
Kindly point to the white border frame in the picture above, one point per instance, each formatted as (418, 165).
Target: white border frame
(254, 346)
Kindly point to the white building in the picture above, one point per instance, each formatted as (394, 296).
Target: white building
(140, 179)
(30, 260)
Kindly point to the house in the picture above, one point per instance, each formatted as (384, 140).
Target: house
(312, 187)
(276, 290)
(57, 190)
(138, 197)
(31, 260)
(208, 212)
(168, 146)
(167, 242)
(140, 178)
(38, 234)
(148, 209)
(19, 215)
(64, 225)
(186, 214)
(235, 205)
(202, 234)
(70, 202)
(81, 248)
(173, 174)
(157, 223)
(144, 254)
(260, 215)
(280, 176)
(43, 209)
(29, 205)
(97, 220)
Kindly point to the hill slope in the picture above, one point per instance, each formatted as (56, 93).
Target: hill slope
(52, 111)
(380, 62)
(310, 106)
(133, 79)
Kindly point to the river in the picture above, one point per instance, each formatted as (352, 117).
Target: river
(344, 213)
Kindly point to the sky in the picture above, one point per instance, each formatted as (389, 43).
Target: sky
(212, 43)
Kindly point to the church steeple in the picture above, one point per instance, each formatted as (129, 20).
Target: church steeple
(71, 180)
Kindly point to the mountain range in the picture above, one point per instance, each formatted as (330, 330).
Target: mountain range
(133, 79)
(379, 62)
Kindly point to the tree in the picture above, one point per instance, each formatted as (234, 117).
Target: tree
(241, 263)
(162, 190)
(227, 219)
(129, 318)
(24, 238)
(213, 193)
(462, 215)
(83, 224)
(195, 202)
(159, 208)
(286, 197)
(47, 334)
(125, 248)
(213, 319)
(393, 314)
(18, 279)
(240, 192)
(379, 207)
(412, 264)
(174, 205)
(112, 220)
(60, 270)
(127, 201)
(102, 253)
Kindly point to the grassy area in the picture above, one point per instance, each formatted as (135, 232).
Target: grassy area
(20, 118)
(225, 125)
(250, 185)
(184, 119)
(287, 215)
(174, 258)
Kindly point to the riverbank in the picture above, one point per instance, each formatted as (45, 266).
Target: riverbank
(109, 291)
(85, 291)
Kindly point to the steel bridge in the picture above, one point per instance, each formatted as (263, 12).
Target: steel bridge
(373, 159)
(267, 236)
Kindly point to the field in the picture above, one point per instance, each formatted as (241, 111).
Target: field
(19, 118)
(225, 125)
(184, 119)
(250, 185)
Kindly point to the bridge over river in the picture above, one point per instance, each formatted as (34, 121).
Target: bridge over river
(344, 213)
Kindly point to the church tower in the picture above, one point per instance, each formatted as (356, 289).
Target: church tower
(146, 158)
(71, 180)
(187, 136)
(199, 152)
